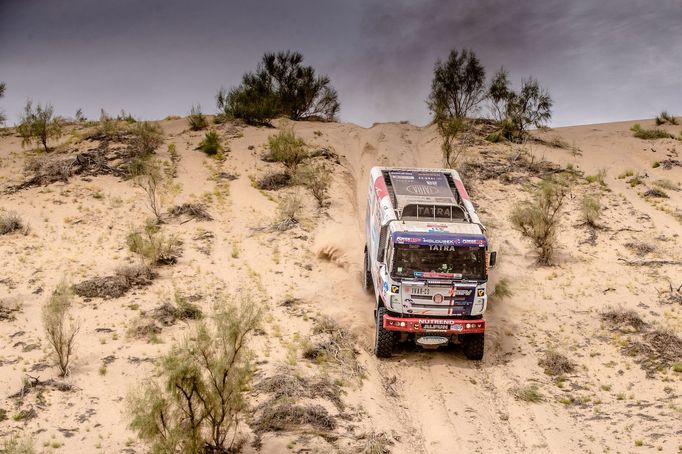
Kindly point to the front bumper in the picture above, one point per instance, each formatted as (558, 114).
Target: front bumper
(445, 325)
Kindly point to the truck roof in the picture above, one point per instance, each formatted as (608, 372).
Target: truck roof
(410, 194)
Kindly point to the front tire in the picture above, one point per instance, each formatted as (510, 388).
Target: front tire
(473, 346)
(384, 339)
(367, 282)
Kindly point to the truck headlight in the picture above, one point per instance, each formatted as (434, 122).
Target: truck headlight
(395, 299)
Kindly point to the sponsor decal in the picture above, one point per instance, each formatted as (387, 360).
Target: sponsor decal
(421, 189)
(395, 289)
(480, 292)
(380, 187)
(439, 239)
(437, 275)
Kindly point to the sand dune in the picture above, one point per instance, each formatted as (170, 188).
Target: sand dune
(421, 401)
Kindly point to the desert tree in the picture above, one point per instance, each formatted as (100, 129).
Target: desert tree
(38, 125)
(281, 86)
(197, 402)
(60, 328)
(538, 219)
(499, 94)
(458, 86)
(531, 106)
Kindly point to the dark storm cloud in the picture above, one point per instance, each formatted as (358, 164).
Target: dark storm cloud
(602, 60)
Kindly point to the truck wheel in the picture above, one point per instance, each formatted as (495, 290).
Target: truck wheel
(473, 346)
(383, 344)
(367, 274)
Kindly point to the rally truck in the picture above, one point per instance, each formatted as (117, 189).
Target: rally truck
(427, 260)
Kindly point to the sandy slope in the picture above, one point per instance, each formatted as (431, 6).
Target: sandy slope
(423, 401)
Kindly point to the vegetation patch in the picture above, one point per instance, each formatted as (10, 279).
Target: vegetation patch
(640, 247)
(650, 134)
(554, 363)
(334, 344)
(116, 285)
(11, 222)
(624, 320)
(273, 181)
(285, 383)
(656, 193)
(528, 393)
(191, 210)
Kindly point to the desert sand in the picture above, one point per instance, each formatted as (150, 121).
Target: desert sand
(617, 399)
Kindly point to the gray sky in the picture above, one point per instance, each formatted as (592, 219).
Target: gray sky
(602, 60)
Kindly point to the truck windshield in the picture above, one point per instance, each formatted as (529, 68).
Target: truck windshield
(414, 260)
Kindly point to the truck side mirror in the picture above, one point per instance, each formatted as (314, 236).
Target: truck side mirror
(492, 259)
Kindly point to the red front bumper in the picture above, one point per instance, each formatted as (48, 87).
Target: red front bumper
(433, 325)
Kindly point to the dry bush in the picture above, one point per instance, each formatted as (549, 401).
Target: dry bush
(287, 148)
(590, 209)
(656, 193)
(336, 344)
(124, 279)
(7, 309)
(539, 219)
(555, 363)
(286, 384)
(60, 327)
(192, 210)
(157, 184)
(667, 184)
(11, 222)
(624, 320)
(317, 178)
(153, 247)
(285, 416)
(49, 169)
(180, 309)
(289, 209)
(656, 350)
(273, 181)
(374, 443)
(640, 248)
(196, 403)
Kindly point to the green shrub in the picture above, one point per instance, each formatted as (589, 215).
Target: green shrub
(599, 177)
(664, 118)
(60, 328)
(650, 134)
(211, 144)
(39, 125)
(156, 182)
(15, 445)
(3, 86)
(197, 120)
(197, 401)
(590, 209)
(538, 219)
(146, 137)
(152, 246)
(287, 148)
(528, 393)
(289, 209)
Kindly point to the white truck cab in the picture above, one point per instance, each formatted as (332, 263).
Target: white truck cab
(427, 259)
